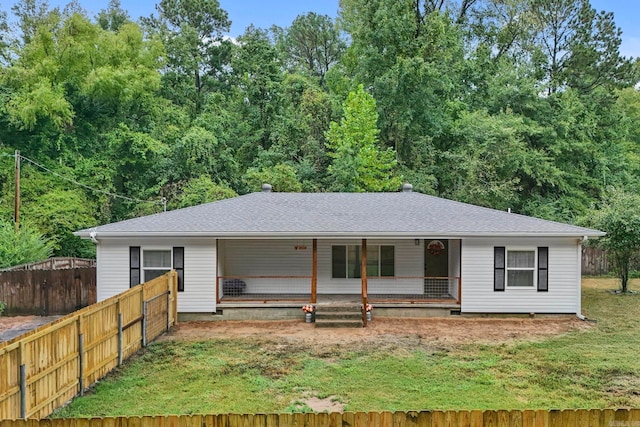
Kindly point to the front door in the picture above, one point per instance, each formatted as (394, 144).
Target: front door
(436, 268)
(436, 258)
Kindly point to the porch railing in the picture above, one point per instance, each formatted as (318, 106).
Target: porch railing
(415, 289)
(263, 288)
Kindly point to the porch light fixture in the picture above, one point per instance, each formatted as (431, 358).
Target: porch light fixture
(417, 242)
(300, 247)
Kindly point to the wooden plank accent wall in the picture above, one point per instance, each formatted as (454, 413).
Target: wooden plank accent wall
(525, 418)
(47, 367)
(47, 292)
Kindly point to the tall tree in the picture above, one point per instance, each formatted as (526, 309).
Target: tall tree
(31, 14)
(257, 77)
(113, 17)
(313, 44)
(197, 51)
(579, 47)
(358, 163)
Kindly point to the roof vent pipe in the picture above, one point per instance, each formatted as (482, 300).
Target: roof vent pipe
(407, 188)
(266, 188)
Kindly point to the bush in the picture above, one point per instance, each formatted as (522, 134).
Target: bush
(22, 246)
(2, 307)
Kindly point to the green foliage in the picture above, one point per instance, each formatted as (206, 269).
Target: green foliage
(521, 104)
(358, 164)
(22, 246)
(3, 306)
(192, 33)
(202, 190)
(619, 217)
(113, 17)
(313, 44)
(282, 177)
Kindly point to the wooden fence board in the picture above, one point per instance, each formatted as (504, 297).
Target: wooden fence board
(61, 359)
(47, 292)
(526, 418)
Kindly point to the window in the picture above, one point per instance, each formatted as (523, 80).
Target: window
(521, 266)
(155, 263)
(346, 260)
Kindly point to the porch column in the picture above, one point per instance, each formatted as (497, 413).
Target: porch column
(314, 271)
(363, 274)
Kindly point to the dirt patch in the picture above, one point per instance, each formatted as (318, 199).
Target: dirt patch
(329, 404)
(434, 331)
(11, 327)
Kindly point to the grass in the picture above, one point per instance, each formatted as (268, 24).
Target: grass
(595, 368)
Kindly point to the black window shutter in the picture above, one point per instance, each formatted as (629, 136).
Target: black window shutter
(134, 266)
(178, 266)
(498, 268)
(543, 269)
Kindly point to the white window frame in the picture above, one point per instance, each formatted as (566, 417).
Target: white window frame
(534, 268)
(144, 269)
(346, 246)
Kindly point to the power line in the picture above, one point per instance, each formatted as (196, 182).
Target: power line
(118, 196)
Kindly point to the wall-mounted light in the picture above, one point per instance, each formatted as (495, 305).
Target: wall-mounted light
(417, 242)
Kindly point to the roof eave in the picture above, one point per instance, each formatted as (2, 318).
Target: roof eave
(86, 234)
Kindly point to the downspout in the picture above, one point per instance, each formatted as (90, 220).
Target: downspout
(579, 314)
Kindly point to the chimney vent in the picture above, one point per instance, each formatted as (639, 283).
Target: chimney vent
(407, 188)
(266, 188)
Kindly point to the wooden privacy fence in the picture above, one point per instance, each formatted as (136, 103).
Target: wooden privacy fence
(46, 292)
(595, 262)
(527, 418)
(47, 367)
(55, 263)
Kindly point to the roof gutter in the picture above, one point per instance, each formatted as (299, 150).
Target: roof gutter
(325, 235)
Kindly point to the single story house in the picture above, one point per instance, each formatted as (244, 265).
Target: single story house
(401, 251)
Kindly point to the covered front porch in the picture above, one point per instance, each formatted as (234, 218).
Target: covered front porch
(391, 271)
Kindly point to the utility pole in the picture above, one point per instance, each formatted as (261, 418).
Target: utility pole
(16, 208)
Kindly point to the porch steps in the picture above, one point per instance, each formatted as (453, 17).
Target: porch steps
(338, 316)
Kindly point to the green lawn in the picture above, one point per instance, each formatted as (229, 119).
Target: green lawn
(596, 368)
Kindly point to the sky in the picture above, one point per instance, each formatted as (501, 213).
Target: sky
(264, 13)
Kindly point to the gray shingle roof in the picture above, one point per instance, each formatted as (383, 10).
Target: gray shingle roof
(337, 214)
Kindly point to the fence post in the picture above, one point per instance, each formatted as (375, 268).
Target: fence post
(168, 310)
(120, 339)
(23, 382)
(80, 356)
(144, 322)
(120, 331)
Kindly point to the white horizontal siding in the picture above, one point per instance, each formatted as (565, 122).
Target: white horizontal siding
(244, 258)
(478, 295)
(112, 269)
(409, 262)
(199, 269)
(199, 278)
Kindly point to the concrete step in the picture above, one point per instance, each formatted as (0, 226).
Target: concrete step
(339, 315)
(342, 315)
(327, 308)
(330, 323)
